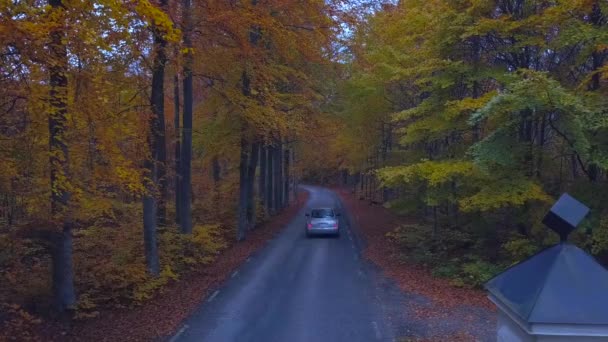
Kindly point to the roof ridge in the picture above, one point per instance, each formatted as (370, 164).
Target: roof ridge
(547, 274)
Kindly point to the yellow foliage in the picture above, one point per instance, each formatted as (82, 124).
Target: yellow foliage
(498, 194)
(433, 172)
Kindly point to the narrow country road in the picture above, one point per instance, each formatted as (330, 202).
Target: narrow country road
(296, 289)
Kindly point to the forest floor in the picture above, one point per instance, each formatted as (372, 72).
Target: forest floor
(431, 308)
(160, 317)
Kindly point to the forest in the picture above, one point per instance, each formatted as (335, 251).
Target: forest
(474, 117)
(140, 139)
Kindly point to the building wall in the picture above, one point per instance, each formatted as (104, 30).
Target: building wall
(509, 331)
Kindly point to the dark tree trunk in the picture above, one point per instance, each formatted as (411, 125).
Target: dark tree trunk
(361, 184)
(282, 176)
(216, 170)
(597, 58)
(435, 223)
(158, 110)
(162, 175)
(541, 143)
(278, 174)
(251, 168)
(262, 178)
(592, 168)
(154, 162)
(178, 177)
(294, 179)
(367, 185)
(286, 177)
(243, 193)
(63, 273)
(270, 180)
(186, 155)
(150, 208)
(246, 166)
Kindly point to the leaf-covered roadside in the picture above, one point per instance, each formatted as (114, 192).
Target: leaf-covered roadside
(447, 302)
(161, 317)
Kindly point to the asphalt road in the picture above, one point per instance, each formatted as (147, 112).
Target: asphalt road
(296, 289)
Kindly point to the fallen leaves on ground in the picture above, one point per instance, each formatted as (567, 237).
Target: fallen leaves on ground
(373, 222)
(160, 317)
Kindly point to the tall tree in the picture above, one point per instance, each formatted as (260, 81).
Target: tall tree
(271, 203)
(241, 230)
(249, 153)
(157, 147)
(251, 169)
(63, 274)
(278, 176)
(186, 155)
(286, 165)
(176, 125)
(262, 178)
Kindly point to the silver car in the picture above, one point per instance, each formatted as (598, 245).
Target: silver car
(322, 221)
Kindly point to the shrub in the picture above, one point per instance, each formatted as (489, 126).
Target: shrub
(599, 238)
(419, 244)
(479, 272)
(110, 267)
(520, 248)
(449, 270)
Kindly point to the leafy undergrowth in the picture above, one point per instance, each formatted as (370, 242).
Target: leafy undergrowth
(160, 314)
(375, 224)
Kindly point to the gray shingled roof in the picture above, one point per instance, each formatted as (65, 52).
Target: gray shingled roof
(561, 284)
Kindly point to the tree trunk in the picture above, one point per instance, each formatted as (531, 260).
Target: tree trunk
(294, 177)
(178, 178)
(435, 223)
(262, 179)
(286, 177)
(186, 155)
(597, 58)
(243, 195)
(217, 177)
(162, 174)
(361, 184)
(149, 203)
(158, 110)
(251, 168)
(154, 162)
(270, 180)
(63, 273)
(278, 174)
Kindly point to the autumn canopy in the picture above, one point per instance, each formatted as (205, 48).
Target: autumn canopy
(140, 138)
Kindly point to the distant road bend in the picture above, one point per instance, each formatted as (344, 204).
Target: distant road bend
(296, 289)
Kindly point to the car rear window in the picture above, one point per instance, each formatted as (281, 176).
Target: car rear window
(321, 213)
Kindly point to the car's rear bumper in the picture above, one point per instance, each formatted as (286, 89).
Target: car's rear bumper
(323, 231)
